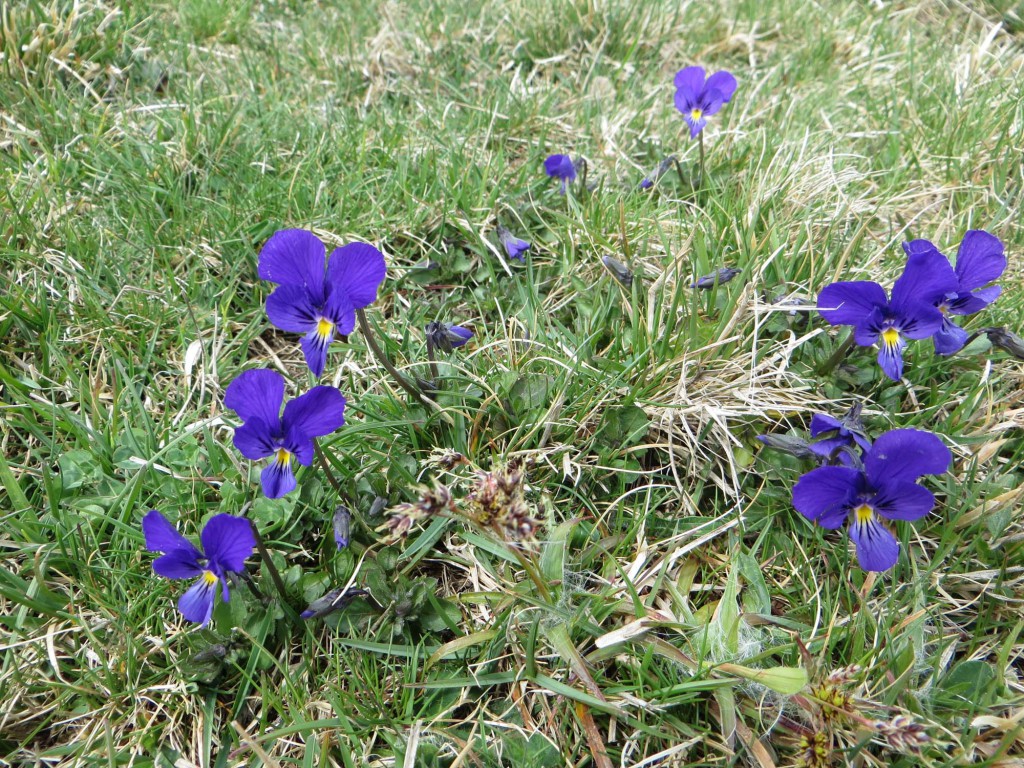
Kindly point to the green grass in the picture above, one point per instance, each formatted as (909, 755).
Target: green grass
(148, 150)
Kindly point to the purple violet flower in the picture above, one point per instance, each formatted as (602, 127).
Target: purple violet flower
(885, 488)
(980, 260)
(256, 397)
(447, 337)
(342, 525)
(838, 434)
(514, 247)
(560, 167)
(311, 300)
(663, 167)
(698, 98)
(720, 276)
(909, 311)
(227, 542)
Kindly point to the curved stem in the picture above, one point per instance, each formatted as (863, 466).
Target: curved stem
(330, 474)
(279, 583)
(838, 356)
(382, 358)
(700, 172)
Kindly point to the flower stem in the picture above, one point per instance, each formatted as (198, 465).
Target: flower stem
(274, 575)
(700, 168)
(583, 175)
(838, 356)
(382, 358)
(679, 171)
(330, 474)
(433, 362)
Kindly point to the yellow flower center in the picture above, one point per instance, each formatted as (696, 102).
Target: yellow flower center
(864, 513)
(890, 337)
(209, 578)
(325, 328)
(696, 114)
(283, 457)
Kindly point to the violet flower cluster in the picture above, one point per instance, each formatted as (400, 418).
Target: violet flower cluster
(922, 300)
(882, 486)
(864, 483)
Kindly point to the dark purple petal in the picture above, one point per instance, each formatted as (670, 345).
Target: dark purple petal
(277, 478)
(720, 276)
(890, 353)
(294, 257)
(980, 260)
(711, 102)
(342, 526)
(919, 246)
(826, 494)
(686, 101)
(905, 455)
(690, 79)
(877, 549)
(926, 279)
(316, 413)
(178, 564)
(560, 167)
(724, 83)
(918, 321)
(850, 303)
(228, 541)
(514, 247)
(866, 333)
(949, 338)
(827, 446)
(822, 422)
(196, 605)
(459, 335)
(314, 349)
(903, 501)
(161, 536)
(969, 303)
(257, 393)
(255, 440)
(358, 269)
(340, 310)
(301, 447)
(291, 308)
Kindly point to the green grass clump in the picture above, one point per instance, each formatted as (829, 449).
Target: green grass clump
(674, 600)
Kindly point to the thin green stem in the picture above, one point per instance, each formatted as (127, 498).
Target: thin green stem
(330, 474)
(700, 169)
(275, 576)
(838, 356)
(382, 358)
(433, 362)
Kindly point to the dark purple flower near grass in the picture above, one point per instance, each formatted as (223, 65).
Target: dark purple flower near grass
(561, 167)
(720, 276)
(1006, 340)
(514, 247)
(663, 167)
(447, 337)
(315, 301)
(886, 488)
(699, 98)
(838, 434)
(256, 397)
(620, 271)
(342, 525)
(227, 542)
(980, 261)
(908, 313)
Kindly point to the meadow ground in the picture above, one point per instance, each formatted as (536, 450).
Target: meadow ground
(674, 604)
